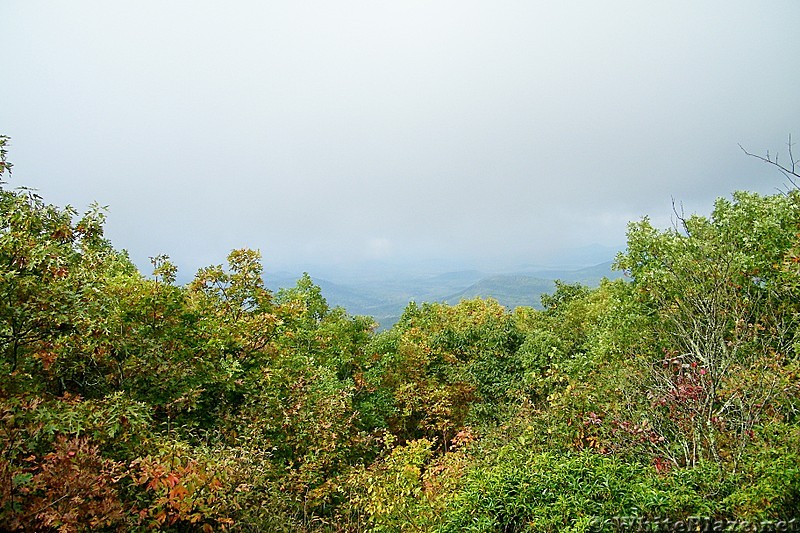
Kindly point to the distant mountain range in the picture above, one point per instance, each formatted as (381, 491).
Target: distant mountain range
(384, 299)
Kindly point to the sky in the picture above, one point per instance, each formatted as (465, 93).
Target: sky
(333, 133)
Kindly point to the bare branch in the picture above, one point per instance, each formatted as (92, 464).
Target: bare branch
(790, 172)
(681, 217)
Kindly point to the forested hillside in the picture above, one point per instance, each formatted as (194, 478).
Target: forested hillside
(131, 402)
(384, 296)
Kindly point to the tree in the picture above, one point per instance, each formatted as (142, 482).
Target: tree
(725, 322)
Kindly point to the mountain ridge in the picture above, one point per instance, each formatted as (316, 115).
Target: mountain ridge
(385, 299)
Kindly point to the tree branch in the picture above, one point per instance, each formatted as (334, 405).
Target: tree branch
(790, 172)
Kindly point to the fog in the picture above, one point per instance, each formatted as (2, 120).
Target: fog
(458, 134)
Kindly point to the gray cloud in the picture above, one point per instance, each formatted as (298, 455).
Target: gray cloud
(344, 131)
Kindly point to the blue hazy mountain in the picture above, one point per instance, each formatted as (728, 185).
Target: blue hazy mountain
(384, 295)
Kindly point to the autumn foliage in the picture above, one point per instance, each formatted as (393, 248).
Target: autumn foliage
(130, 402)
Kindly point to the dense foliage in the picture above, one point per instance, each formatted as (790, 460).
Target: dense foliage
(130, 402)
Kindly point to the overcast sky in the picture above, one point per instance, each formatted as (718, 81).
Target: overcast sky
(329, 132)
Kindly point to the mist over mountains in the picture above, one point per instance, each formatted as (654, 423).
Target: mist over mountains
(383, 291)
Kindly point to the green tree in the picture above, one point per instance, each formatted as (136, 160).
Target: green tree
(725, 321)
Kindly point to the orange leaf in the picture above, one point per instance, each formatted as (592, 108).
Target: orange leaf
(178, 492)
(171, 479)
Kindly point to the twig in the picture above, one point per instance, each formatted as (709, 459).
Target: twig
(790, 172)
